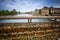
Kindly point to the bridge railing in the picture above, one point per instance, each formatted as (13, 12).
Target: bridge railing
(30, 17)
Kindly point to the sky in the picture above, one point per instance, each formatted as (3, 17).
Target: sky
(27, 5)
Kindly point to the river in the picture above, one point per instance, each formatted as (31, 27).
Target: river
(22, 20)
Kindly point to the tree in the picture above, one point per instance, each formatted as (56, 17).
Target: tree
(50, 11)
(0, 12)
(39, 11)
(19, 12)
(6, 12)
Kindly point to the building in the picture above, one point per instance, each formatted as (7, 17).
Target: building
(55, 11)
(36, 12)
(14, 10)
(45, 11)
(50, 10)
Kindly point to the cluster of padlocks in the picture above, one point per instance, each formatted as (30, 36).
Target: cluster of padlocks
(36, 31)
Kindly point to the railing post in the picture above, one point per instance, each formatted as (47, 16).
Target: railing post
(55, 19)
(29, 20)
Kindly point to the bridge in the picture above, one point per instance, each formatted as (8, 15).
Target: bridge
(27, 17)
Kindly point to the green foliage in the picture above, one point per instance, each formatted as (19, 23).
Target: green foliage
(50, 11)
(6, 12)
(40, 11)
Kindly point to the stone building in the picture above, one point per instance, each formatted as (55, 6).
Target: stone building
(36, 12)
(53, 11)
(45, 11)
(14, 10)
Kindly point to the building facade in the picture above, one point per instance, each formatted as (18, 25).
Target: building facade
(52, 10)
(45, 11)
(36, 12)
(14, 10)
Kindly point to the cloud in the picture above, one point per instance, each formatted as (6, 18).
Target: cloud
(24, 5)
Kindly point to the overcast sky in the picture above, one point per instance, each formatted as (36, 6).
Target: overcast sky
(27, 5)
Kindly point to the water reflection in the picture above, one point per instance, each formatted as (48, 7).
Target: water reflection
(13, 20)
(22, 20)
(41, 20)
(23, 15)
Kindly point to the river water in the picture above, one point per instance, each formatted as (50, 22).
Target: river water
(22, 20)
